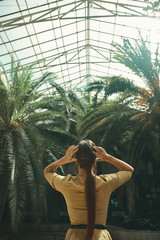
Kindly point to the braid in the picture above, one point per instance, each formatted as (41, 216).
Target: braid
(90, 202)
(86, 160)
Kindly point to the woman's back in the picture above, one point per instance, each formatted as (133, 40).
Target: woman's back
(73, 190)
(87, 196)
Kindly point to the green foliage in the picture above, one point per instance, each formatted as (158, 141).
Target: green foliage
(27, 114)
(154, 6)
(128, 125)
(137, 57)
(37, 126)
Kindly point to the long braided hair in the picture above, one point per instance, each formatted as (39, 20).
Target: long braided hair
(86, 159)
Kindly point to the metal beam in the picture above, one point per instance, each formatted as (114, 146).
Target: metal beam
(87, 41)
(133, 11)
(31, 18)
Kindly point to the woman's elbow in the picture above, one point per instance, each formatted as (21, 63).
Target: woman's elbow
(44, 172)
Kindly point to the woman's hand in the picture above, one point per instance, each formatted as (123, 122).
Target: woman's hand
(100, 153)
(69, 155)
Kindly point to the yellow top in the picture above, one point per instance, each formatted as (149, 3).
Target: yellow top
(73, 190)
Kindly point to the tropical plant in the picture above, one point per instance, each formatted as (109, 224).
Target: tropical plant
(26, 119)
(109, 111)
(141, 104)
(102, 89)
(153, 6)
(129, 125)
(145, 141)
(138, 58)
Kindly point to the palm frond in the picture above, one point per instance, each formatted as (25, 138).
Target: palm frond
(75, 100)
(17, 199)
(137, 57)
(16, 191)
(25, 116)
(96, 116)
(47, 103)
(113, 126)
(58, 88)
(34, 147)
(3, 76)
(117, 84)
(94, 86)
(46, 118)
(53, 158)
(138, 143)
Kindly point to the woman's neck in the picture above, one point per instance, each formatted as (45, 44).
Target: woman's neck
(83, 172)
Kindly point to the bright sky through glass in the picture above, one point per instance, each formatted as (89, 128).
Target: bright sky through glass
(73, 39)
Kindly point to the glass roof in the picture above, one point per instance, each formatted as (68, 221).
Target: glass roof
(73, 39)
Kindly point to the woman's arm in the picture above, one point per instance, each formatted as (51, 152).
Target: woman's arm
(103, 156)
(68, 157)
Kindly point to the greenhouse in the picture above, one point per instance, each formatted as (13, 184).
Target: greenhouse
(73, 71)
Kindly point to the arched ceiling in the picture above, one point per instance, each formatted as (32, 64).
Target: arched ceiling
(73, 39)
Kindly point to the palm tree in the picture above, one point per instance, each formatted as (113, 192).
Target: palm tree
(109, 110)
(24, 118)
(142, 105)
(107, 86)
(144, 144)
(138, 58)
(130, 124)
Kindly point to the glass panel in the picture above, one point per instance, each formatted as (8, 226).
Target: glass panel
(61, 36)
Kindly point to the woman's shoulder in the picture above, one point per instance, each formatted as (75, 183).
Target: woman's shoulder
(105, 177)
(115, 180)
(115, 176)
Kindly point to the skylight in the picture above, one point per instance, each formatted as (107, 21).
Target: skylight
(73, 39)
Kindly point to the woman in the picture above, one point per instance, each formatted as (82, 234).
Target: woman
(87, 195)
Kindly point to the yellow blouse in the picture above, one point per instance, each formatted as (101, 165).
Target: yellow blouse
(73, 190)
